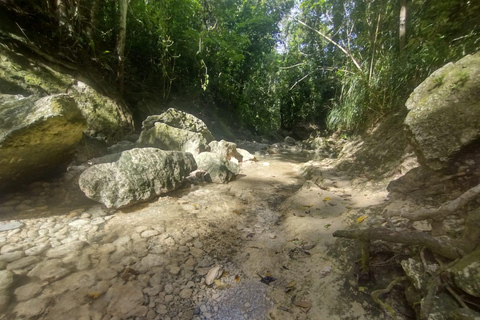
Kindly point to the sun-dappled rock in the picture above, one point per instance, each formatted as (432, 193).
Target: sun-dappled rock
(444, 112)
(225, 149)
(180, 120)
(166, 137)
(37, 136)
(139, 175)
(220, 169)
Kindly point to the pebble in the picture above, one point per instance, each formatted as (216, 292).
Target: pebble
(149, 233)
(12, 256)
(186, 293)
(23, 263)
(168, 288)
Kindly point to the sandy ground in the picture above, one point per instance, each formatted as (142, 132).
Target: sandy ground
(270, 231)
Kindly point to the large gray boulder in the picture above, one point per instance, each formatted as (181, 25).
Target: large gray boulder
(106, 119)
(175, 130)
(138, 175)
(37, 136)
(444, 114)
(220, 169)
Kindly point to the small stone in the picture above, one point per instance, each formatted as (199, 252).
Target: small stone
(106, 274)
(6, 279)
(197, 253)
(168, 288)
(126, 300)
(186, 293)
(31, 308)
(10, 247)
(198, 244)
(168, 298)
(162, 309)
(37, 250)
(106, 248)
(28, 291)
(12, 256)
(65, 249)
(23, 263)
(175, 270)
(49, 270)
(203, 308)
(83, 262)
(149, 233)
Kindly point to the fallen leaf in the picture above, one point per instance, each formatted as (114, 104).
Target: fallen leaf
(237, 278)
(291, 284)
(327, 198)
(361, 289)
(327, 226)
(361, 219)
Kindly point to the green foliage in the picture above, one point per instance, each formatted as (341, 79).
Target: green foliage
(437, 32)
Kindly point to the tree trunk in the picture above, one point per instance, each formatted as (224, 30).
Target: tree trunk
(403, 24)
(121, 38)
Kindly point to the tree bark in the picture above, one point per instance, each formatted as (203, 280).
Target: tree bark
(121, 39)
(403, 24)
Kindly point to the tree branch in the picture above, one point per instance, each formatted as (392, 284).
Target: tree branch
(348, 54)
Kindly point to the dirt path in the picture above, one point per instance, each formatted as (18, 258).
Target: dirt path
(150, 261)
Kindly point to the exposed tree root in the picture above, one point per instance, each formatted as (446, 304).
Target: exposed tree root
(377, 293)
(442, 245)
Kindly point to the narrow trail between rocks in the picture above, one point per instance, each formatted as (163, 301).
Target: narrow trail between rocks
(270, 231)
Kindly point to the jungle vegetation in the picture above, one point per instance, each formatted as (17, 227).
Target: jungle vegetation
(339, 64)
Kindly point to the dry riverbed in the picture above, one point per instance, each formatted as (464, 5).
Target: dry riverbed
(270, 231)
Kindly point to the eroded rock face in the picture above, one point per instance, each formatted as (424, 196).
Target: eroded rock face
(220, 169)
(36, 136)
(137, 176)
(175, 130)
(106, 119)
(444, 112)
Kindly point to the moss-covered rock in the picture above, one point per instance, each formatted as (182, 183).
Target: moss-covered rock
(444, 112)
(138, 175)
(37, 136)
(106, 118)
(466, 273)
